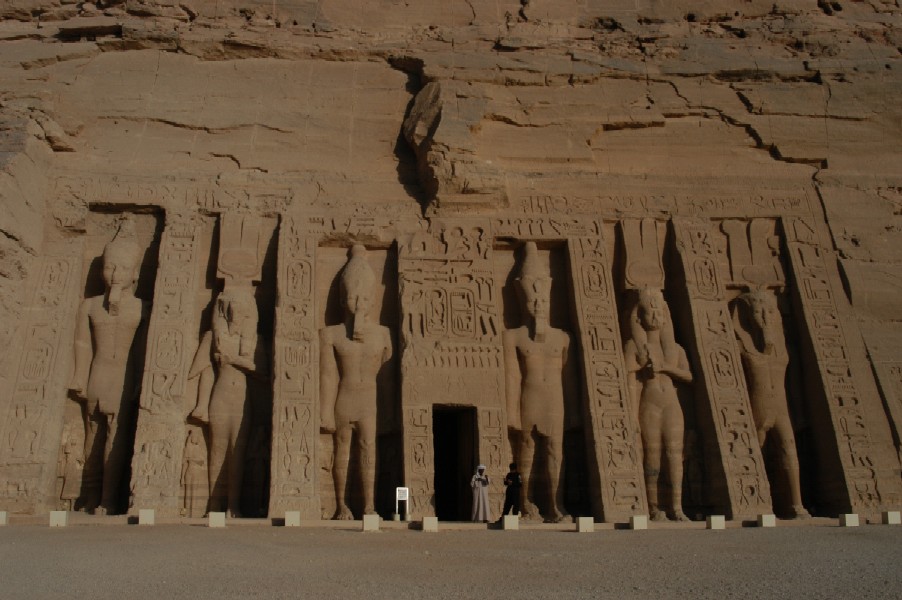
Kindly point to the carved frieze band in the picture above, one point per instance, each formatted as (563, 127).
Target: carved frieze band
(856, 451)
(748, 490)
(295, 386)
(160, 436)
(613, 422)
(32, 424)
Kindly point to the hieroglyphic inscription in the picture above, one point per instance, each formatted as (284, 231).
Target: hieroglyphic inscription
(29, 440)
(295, 413)
(451, 340)
(160, 437)
(844, 399)
(744, 491)
(613, 434)
(640, 204)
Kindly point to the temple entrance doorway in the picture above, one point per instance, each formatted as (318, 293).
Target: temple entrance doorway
(455, 449)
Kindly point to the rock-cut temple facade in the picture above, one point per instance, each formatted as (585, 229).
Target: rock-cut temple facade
(259, 257)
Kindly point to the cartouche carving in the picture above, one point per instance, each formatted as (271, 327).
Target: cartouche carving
(759, 329)
(103, 380)
(534, 359)
(655, 362)
(351, 355)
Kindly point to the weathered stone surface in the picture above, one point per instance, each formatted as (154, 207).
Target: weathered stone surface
(702, 149)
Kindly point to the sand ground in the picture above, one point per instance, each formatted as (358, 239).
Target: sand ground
(192, 561)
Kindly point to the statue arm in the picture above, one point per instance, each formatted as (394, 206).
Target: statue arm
(680, 371)
(202, 360)
(84, 352)
(328, 382)
(512, 380)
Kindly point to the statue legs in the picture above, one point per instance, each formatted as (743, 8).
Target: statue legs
(528, 511)
(228, 440)
(657, 442)
(366, 447)
(95, 440)
(115, 457)
(789, 463)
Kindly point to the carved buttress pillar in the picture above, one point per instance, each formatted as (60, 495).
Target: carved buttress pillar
(161, 431)
(739, 484)
(295, 420)
(615, 463)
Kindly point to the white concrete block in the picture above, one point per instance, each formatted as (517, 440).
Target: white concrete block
(292, 518)
(216, 519)
(889, 517)
(430, 524)
(510, 522)
(4, 517)
(848, 520)
(585, 524)
(767, 521)
(146, 516)
(716, 522)
(371, 522)
(639, 522)
(59, 518)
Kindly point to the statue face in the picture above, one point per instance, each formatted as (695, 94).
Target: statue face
(763, 311)
(357, 300)
(118, 270)
(538, 298)
(651, 313)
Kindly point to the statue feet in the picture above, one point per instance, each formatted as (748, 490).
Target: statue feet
(798, 512)
(343, 514)
(657, 515)
(234, 514)
(558, 517)
(679, 515)
(530, 512)
(100, 511)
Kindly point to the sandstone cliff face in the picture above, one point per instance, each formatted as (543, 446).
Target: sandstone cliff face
(458, 107)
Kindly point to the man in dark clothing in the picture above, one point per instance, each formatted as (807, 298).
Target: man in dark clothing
(513, 483)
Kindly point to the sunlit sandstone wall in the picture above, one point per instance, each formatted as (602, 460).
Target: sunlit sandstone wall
(762, 142)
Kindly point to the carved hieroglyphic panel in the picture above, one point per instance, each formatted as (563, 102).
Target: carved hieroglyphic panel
(160, 437)
(743, 489)
(32, 426)
(451, 340)
(868, 482)
(295, 424)
(613, 435)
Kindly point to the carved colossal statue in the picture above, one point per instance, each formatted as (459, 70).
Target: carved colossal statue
(759, 329)
(103, 378)
(534, 359)
(654, 362)
(228, 353)
(351, 355)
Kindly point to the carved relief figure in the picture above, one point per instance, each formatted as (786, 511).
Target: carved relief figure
(655, 362)
(192, 477)
(72, 468)
(351, 355)
(230, 349)
(534, 359)
(765, 359)
(105, 333)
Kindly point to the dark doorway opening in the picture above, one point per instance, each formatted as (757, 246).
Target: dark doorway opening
(454, 442)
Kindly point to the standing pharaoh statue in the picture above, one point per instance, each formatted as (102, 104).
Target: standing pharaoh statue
(351, 355)
(103, 379)
(759, 329)
(227, 354)
(534, 359)
(655, 362)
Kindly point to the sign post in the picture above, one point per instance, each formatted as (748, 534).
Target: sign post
(402, 494)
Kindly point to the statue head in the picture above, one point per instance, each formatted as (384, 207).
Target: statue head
(357, 281)
(651, 309)
(761, 316)
(535, 284)
(121, 258)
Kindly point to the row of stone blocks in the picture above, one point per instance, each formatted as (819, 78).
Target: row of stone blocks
(60, 518)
